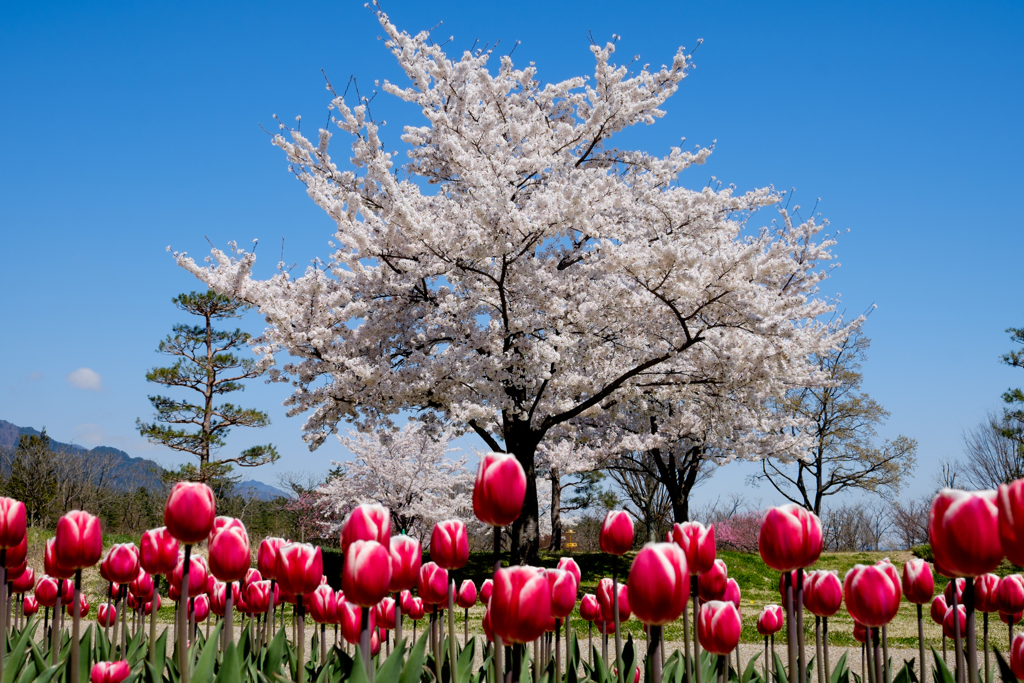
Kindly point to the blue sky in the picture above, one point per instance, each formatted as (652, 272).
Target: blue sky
(134, 126)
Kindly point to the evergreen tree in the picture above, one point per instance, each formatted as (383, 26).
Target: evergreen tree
(33, 478)
(208, 365)
(1013, 424)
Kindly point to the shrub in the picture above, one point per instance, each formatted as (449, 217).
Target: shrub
(739, 532)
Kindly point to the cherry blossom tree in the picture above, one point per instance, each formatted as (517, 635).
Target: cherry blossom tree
(406, 470)
(519, 273)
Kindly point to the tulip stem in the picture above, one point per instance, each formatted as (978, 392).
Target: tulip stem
(590, 642)
(452, 642)
(696, 641)
(957, 636)
(76, 609)
(615, 614)
(434, 644)
(398, 620)
(300, 621)
(824, 646)
(988, 669)
(184, 663)
(499, 669)
(323, 643)
(54, 628)
(106, 622)
(270, 611)
(817, 646)
(798, 600)
(765, 664)
(876, 644)
(863, 658)
(653, 654)
(791, 628)
(152, 619)
(721, 668)
(3, 608)
(887, 667)
(869, 646)
(536, 659)
(775, 668)
(920, 643)
(558, 650)
(686, 644)
(972, 639)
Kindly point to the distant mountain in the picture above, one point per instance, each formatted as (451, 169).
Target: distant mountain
(128, 473)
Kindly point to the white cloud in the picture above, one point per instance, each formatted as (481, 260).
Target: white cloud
(84, 378)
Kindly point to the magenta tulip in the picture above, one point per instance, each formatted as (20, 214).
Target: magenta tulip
(520, 604)
(258, 595)
(83, 608)
(485, 591)
(605, 590)
(949, 621)
(190, 512)
(466, 597)
(960, 584)
(1010, 597)
(200, 610)
(46, 591)
(24, 582)
(563, 592)
(1010, 502)
(500, 489)
(711, 584)
(366, 574)
(986, 593)
(938, 608)
(266, 557)
(299, 568)
(590, 608)
(122, 563)
(366, 523)
(197, 573)
(229, 551)
(964, 532)
(350, 617)
(406, 560)
(106, 615)
(386, 614)
(1017, 656)
(719, 627)
(617, 533)
(732, 593)
(860, 633)
(433, 584)
(568, 564)
(251, 576)
(918, 582)
(30, 605)
(16, 556)
(142, 586)
(12, 522)
(658, 584)
(78, 542)
(158, 551)
(873, 593)
(449, 545)
(321, 604)
(109, 672)
(790, 538)
(771, 620)
(823, 593)
(416, 609)
(697, 543)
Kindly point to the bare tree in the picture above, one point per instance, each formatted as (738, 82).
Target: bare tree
(910, 521)
(991, 457)
(646, 492)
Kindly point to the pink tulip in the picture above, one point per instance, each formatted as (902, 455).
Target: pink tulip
(937, 611)
(158, 551)
(30, 605)
(16, 556)
(986, 593)
(697, 543)
(351, 615)
(258, 595)
(918, 582)
(486, 624)
(405, 599)
(142, 586)
(466, 597)
(24, 582)
(106, 615)
(1017, 654)
(563, 592)
(1010, 597)
(321, 604)
(658, 584)
(12, 522)
(860, 633)
(449, 545)
(1011, 618)
(873, 593)
(964, 531)
(823, 593)
(79, 540)
(416, 610)
(711, 584)
(252, 576)
(1010, 502)
(718, 627)
(299, 568)
(52, 565)
(366, 574)
(790, 538)
(433, 584)
(83, 608)
(197, 573)
(520, 604)
(366, 523)
(500, 489)
(406, 560)
(732, 593)
(617, 533)
(46, 591)
(948, 591)
(605, 590)
(190, 512)
(266, 557)
(590, 608)
(568, 564)
(771, 621)
(386, 614)
(229, 551)
(109, 672)
(949, 622)
(485, 591)
(201, 608)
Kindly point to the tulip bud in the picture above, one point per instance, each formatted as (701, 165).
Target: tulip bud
(948, 591)
(109, 672)
(590, 608)
(873, 593)
(375, 638)
(711, 584)
(142, 586)
(158, 551)
(197, 573)
(949, 622)
(732, 593)
(964, 532)
(605, 590)
(500, 489)
(1017, 654)
(568, 564)
(697, 543)
(351, 616)
(201, 608)
(299, 568)
(449, 545)
(406, 560)
(366, 523)
(386, 613)
(229, 551)
(366, 574)
(718, 627)
(986, 593)
(520, 604)
(937, 611)
(24, 583)
(790, 538)
(1010, 502)
(30, 605)
(860, 633)
(190, 512)
(485, 591)
(823, 593)
(486, 624)
(771, 620)
(918, 582)
(658, 584)
(258, 595)
(416, 609)
(321, 604)
(617, 533)
(79, 540)
(122, 563)
(46, 591)
(1011, 594)
(83, 608)
(12, 522)
(17, 555)
(266, 557)
(563, 592)
(106, 615)
(51, 564)
(433, 584)
(252, 576)
(466, 597)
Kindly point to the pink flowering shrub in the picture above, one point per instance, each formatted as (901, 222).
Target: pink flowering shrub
(739, 532)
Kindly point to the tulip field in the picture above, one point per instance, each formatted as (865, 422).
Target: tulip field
(674, 611)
